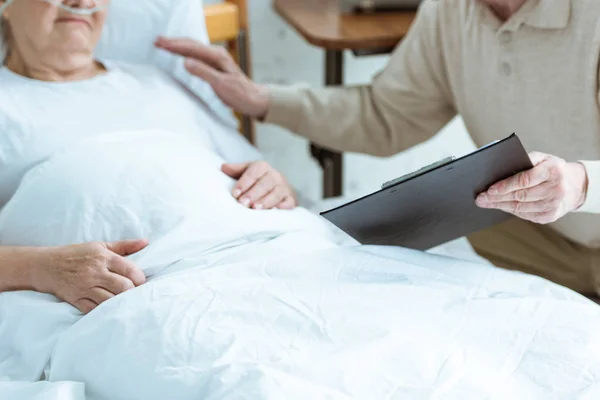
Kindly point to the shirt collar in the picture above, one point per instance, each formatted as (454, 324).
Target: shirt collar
(549, 14)
(543, 14)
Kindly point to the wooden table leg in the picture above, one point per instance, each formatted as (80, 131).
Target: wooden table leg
(332, 162)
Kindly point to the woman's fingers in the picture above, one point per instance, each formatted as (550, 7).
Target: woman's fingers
(235, 170)
(253, 174)
(116, 283)
(99, 295)
(260, 186)
(127, 247)
(289, 203)
(85, 306)
(260, 189)
(271, 199)
(124, 267)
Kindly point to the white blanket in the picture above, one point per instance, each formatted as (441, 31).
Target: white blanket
(246, 304)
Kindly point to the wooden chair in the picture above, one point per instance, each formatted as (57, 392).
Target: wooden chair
(227, 23)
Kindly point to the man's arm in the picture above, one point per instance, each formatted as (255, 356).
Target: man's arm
(409, 102)
(406, 104)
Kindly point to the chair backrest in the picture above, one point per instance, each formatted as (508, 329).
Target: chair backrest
(227, 23)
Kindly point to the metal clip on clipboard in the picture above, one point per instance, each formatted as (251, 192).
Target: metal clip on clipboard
(420, 171)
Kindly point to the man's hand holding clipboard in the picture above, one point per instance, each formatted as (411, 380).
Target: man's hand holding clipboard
(543, 194)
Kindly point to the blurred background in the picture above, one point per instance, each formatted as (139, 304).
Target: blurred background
(280, 55)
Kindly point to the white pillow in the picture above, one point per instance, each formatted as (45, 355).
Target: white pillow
(133, 26)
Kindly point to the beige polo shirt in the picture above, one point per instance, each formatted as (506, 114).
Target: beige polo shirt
(535, 75)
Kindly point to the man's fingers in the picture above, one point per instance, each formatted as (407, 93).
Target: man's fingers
(187, 48)
(537, 193)
(214, 56)
(524, 180)
(99, 295)
(537, 158)
(203, 71)
(127, 269)
(203, 61)
(85, 306)
(518, 208)
(127, 247)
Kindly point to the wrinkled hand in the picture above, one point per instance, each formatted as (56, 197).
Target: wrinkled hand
(86, 275)
(261, 186)
(216, 66)
(543, 194)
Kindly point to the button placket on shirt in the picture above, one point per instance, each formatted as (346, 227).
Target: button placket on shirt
(505, 38)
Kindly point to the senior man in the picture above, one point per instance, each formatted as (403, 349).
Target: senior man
(524, 66)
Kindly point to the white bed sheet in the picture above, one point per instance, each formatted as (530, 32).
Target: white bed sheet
(280, 320)
(38, 340)
(281, 308)
(339, 323)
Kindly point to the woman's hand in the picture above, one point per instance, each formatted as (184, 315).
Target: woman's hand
(215, 65)
(86, 275)
(543, 194)
(261, 186)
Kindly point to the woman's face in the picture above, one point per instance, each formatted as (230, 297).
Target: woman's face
(39, 28)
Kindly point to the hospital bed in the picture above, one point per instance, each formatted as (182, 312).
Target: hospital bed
(445, 348)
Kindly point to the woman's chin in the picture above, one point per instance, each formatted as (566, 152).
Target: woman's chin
(74, 43)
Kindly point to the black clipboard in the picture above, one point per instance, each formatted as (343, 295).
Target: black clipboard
(435, 204)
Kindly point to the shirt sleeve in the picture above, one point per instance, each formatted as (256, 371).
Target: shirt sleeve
(592, 200)
(406, 104)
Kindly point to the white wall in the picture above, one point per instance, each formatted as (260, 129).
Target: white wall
(273, 61)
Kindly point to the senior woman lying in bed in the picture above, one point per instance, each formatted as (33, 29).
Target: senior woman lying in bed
(56, 96)
(237, 302)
